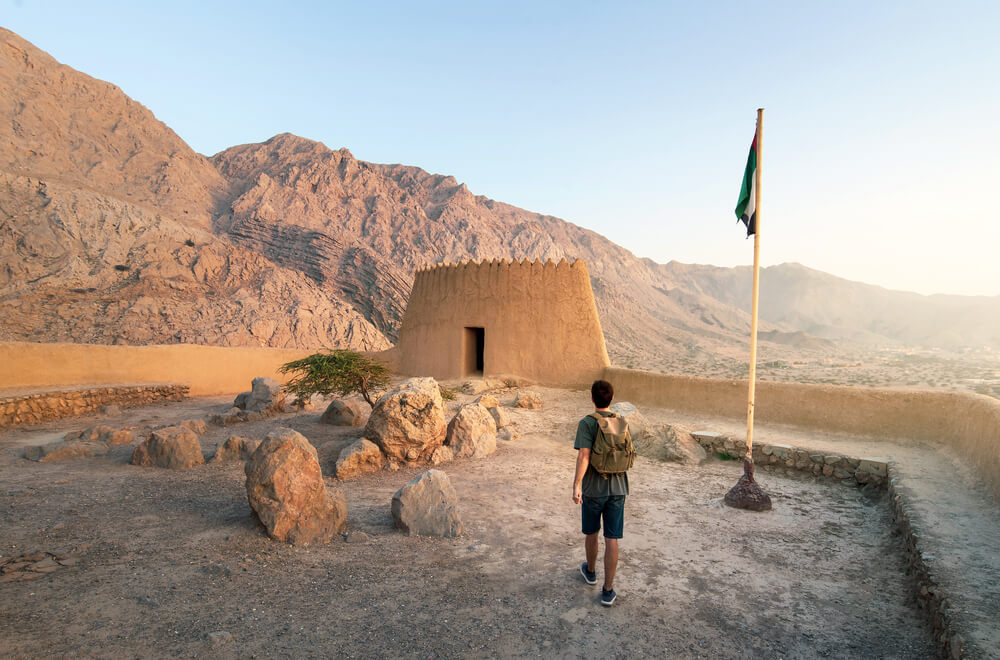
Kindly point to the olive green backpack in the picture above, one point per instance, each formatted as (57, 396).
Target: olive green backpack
(613, 451)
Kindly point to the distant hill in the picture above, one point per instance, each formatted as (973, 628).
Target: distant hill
(114, 230)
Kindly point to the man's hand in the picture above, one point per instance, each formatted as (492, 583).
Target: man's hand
(577, 494)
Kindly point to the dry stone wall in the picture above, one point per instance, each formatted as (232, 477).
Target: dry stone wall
(33, 408)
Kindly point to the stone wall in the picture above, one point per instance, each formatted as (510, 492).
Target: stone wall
(539, 321)
(863, 470)
(38, 407)
(969, 423)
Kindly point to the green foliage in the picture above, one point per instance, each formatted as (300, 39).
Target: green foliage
(336, 372)
(447, 393)
(726, 457)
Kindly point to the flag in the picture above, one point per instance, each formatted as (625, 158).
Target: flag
(746, 209)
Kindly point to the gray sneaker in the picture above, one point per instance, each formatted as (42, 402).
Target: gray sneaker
(608, 597)
(589, 576)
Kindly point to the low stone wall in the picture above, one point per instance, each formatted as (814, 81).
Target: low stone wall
(863, 470)
(935, 603)
(969, 423)
(33, 408)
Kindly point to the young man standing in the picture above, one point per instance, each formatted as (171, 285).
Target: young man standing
(602, 496)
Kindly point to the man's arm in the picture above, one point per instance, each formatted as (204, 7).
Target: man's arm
(582, 461)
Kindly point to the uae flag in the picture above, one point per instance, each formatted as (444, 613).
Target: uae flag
(746, 208)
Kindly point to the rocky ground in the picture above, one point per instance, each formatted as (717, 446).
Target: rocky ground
(143, 562)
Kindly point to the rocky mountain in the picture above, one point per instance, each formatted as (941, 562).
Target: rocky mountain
(113, 230)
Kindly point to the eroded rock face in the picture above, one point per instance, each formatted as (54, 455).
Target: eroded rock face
(427, 506)
(359, 458)
(487, 401)
(408, 422)
(500, 416)
(236, 448)
(671, 443)
(472, 432)
(344, 412)
(528, 399)
(286, 491)
(173, 447)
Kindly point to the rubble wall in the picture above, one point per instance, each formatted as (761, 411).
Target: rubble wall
(539, 320)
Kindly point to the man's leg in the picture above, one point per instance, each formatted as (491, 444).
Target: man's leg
(590, 545)
(610, 561)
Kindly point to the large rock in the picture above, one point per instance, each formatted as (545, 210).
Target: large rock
(427, 506)
(359, 458)
(344, 412)
(500, 416)
(173, 447)
(638, 425)
(408, 422)
(236, 448)
(285, 489)
(65, 450)
(104, 435)
(264, 397)
(672, 443)
(487, 401)
(528, 399)
(472, 432)
(480, 386)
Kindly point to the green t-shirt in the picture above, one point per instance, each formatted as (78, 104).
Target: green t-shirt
(594, 483)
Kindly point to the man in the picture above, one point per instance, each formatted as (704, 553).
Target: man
(601, 496)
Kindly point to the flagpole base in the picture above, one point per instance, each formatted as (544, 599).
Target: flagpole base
(747, 493)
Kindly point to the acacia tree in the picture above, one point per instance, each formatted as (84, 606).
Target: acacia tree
(336, 372)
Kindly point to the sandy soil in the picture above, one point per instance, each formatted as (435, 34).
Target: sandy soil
(160, 560)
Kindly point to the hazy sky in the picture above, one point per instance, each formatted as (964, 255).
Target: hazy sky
(881, 148)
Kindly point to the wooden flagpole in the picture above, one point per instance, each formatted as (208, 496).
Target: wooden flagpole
(758, 193)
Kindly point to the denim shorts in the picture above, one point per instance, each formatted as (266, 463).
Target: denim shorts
(611, 509)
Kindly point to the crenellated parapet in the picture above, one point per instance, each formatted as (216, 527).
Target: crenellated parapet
(537, 319)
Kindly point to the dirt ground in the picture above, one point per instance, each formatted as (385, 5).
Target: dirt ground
(159, 561)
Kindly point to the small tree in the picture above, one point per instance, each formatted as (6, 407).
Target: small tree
(335, 372)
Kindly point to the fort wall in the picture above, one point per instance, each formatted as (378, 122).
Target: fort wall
(539, 321)
(207, 369)
(969, 423)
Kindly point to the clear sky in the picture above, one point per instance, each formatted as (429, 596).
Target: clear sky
(881, 148)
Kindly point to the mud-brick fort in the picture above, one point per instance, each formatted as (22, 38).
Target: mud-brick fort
(530, 319)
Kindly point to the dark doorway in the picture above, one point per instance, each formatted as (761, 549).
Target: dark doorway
(474, 343)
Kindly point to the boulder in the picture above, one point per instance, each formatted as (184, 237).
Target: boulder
(408, 422)
(508, 434)
(427, 506)
(264, 397)
(359, 458)
(104, 435)
(638, 426)
(480, 386)
(442, 454)
(500, 416)
(472, 432)
(65, 450)
(110, 410)
(528, 399)
(173, 447)
(344, 412)
(236, 448)
(286, 491)
(197, 426)
(672, 443)
(487, 401)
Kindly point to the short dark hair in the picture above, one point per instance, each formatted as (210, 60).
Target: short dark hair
(602, 392)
